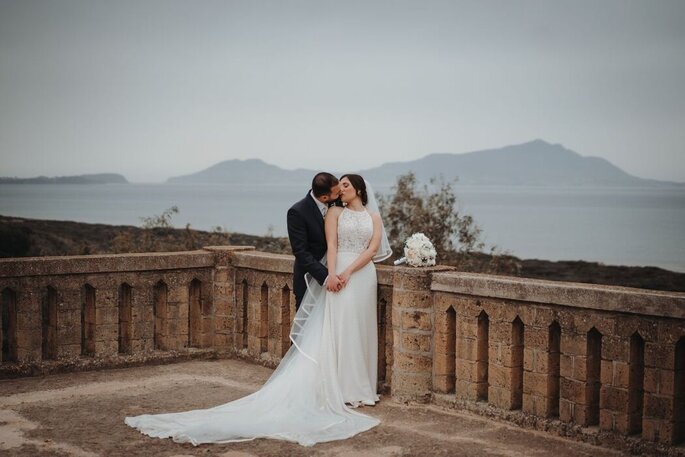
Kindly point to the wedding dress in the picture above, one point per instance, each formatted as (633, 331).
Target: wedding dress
(332, 361)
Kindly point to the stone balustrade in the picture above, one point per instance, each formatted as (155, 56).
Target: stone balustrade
(596, 357)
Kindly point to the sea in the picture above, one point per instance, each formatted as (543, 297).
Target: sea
(615, 226)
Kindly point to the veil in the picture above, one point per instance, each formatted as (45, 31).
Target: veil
(302, 400)
(384, 250)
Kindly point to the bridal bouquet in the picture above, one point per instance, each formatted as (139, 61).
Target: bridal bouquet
(418, 251)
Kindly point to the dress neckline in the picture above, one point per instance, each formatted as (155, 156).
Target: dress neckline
(355, 211)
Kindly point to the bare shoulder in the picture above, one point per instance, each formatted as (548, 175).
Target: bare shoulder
(333, 212)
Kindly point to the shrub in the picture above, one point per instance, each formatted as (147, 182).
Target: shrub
(432, 210)
(410, 209)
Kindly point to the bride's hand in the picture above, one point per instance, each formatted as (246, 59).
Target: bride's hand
(345, 277)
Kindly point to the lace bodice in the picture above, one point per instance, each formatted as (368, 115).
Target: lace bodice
(355, 229)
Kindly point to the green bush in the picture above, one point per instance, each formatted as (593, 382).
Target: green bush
(432, 210)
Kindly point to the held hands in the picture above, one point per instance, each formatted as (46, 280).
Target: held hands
(337, 282)
(333, 283)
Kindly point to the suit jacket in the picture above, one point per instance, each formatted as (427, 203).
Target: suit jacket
(308, 242)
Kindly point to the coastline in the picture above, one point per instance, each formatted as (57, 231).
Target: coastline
(22, 237)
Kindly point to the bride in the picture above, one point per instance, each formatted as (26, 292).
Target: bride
(332, 362)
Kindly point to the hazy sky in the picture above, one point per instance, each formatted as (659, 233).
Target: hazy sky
(153, 89)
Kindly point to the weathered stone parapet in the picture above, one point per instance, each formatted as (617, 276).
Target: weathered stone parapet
(263, 261)
(578, 355)
(611, 357)
(104, 263)
(264, 305)
(577, 295)
(105, 306)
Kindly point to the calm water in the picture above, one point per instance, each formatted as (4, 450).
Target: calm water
(629, 226)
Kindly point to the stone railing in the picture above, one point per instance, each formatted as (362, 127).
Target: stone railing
(610, 357)
(599, 359)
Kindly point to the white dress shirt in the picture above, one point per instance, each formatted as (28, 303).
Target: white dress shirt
(322, 206)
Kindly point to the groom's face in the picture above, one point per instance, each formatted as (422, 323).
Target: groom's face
(333, 194)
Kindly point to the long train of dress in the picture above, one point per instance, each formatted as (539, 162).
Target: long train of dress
(332, 361)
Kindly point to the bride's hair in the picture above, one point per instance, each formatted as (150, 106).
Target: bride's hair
(359, 185)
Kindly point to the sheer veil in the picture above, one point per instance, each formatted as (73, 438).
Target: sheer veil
(384, 250)
(302, 401)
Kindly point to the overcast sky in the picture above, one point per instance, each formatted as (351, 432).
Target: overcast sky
(153, 89)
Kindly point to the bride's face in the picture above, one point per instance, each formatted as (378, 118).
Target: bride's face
(347, 191)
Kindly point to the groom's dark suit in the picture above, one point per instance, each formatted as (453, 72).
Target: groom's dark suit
(308, 242)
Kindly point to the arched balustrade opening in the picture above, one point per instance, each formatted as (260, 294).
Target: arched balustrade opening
(554, 369)
(285, 319)
(264, 318)
(636, 382)
(482, 356)
(517, 330)
(593, 382)
(244, 328)
(9, 325)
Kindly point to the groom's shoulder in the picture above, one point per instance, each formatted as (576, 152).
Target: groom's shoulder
(299, 205)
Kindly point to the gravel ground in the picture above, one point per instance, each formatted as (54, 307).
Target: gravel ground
(81, 414)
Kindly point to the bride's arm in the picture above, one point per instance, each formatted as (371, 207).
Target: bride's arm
(366, 256)
(331, 228)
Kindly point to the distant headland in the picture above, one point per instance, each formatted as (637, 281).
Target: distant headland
(20, 237)
(101, 178)
(535, 163)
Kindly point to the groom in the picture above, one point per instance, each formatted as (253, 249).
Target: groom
(307, 236)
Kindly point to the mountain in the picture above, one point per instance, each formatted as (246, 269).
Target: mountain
(101, 178)
(534, 163)
(244, 172)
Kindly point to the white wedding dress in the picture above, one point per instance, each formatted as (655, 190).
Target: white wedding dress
(332, 361)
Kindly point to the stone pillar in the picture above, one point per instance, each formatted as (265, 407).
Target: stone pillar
(106, 318)
(142, 330)
(412, 326)
(467, 351)
(28, 324)
(613, 413)
(537, 371)
(572, 406)
(224, 294)
(69, 320)
(500, 370)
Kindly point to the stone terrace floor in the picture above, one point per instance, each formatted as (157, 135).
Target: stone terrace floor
(81, 414)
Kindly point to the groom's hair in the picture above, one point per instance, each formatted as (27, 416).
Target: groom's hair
(322, 183)
(359, 185)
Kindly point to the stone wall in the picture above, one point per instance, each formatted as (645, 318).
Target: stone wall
(596, 356)
(63, 307)
(228, 301)
(601, 358)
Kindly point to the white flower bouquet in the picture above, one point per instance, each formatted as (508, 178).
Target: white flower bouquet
(418, 251)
